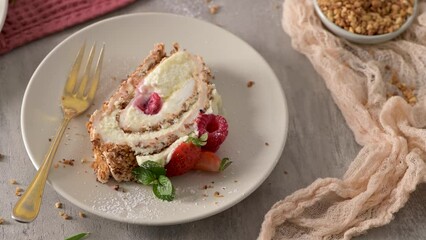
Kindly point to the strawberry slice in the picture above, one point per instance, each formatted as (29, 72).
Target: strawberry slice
(183, 159)
(210, 162)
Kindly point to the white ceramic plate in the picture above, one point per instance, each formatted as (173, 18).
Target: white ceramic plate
(3, 12)
(256, 115)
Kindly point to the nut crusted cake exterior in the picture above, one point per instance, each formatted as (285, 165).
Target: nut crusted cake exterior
(122, 136)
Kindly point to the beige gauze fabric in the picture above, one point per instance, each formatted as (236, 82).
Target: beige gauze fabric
(391, 162)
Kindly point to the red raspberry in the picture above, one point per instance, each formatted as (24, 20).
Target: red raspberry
(216, 127)
(150, 106)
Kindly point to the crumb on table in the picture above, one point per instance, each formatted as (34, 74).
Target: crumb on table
(82, 214)
(217, 194)
(18, 191)
(250, 84)
(65, 216)
(214, 9)
(207, 186)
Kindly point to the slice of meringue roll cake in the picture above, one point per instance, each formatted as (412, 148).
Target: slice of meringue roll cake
(151, 113)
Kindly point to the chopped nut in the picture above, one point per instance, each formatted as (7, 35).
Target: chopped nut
(412, 100)
(214, 9)
(12, 181)
(250, 84)
(364, 17)
(82, 214)
(64, 215)
(407, 92)
(58, 205)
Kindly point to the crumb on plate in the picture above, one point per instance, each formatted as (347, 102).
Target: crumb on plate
(69, 162)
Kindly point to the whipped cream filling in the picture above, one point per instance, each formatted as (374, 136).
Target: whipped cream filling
(175, 80)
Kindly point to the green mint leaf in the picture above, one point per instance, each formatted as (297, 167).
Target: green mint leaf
(137, 171)
(224, 164)
(154, 167)
(147, 177)
(78, 236)
(164, 189)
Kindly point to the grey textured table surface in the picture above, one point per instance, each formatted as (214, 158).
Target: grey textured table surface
(319, 143)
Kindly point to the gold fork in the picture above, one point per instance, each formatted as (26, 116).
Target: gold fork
(75, 100)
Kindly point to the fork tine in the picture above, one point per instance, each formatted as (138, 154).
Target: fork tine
(95, 81)
(72, 77)
(85, 78)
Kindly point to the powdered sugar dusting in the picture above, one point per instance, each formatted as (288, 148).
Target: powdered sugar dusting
(130, 204)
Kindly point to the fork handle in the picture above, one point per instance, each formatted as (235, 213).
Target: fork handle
(28, 206)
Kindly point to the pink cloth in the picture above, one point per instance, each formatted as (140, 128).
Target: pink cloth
(28, 20)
